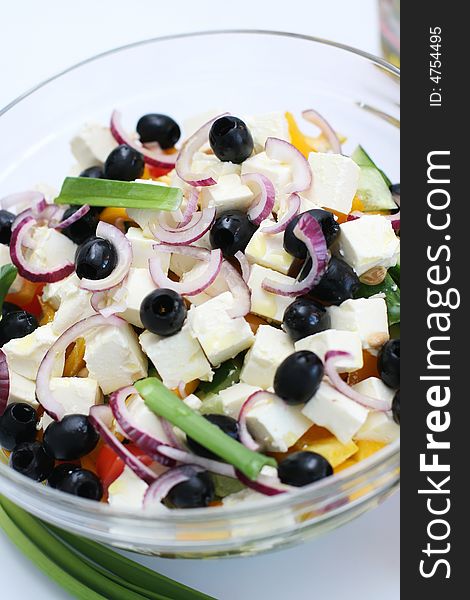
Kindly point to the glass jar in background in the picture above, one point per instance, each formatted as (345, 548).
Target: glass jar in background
(389, 11)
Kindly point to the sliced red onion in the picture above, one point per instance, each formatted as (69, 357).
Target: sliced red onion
(192, 287)
(214, 466)
(160, 488)
(145, 440)
(18, 236)
(185, 158)
(124, 252)
(78, 214)
(258, 486)
(308, 231)
(199, 225)
(109, 302)
(312, 116)
(293, 206)
(4, 382)
(244, 265)
(245, 437)
(190, 209)
(44, 394)
(21, 200)
(155, 157)
(193, 221)
(264, 200)
(39, 205)
(170, 434)
(347, 390)
(240, 291)
(101, 418)
(287, 153)
(394, 219)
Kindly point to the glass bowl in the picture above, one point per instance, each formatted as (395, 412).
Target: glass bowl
(244, 72)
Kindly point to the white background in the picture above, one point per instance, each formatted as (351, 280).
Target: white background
(38, 39)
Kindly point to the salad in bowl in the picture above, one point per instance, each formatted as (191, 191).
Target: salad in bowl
(204, 321)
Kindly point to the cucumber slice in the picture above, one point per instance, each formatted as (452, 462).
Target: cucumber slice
(373, 192)
(361, 158)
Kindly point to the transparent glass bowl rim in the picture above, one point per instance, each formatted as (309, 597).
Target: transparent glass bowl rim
(388, 455)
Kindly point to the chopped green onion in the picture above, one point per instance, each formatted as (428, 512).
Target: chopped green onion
(166, 404)
(122, 194)
(7, 277)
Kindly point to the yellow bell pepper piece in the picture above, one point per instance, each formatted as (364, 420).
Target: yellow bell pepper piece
(333, 450)
(74, 361)
(357, 204)
(366, 448)
(113, 214)
(297, 138)
(47, 313)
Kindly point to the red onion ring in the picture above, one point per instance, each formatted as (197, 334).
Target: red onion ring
(154, 157)
(201, 223)
(347, 390)
(188, 288)
(101, 417)
(312, 116)
(264, 200)
(214, 466)
(44, 394)
(4, 382)
(124, 251)
(244, 265)
(190, 208)
(287, 153)
(160, 488)
(118, 301)
(258, 486)
(141, 438)
(394, 219)
(34, 274)
(189, 148)
(170, 434)
(293, 206)
(78, 214)
(240, 291)
(308, 231)
(245, 436)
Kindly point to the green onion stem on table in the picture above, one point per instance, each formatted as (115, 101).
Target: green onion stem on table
(86, 569)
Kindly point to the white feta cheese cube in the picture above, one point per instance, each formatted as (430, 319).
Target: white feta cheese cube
(142, 250)
(336, 412)
(179, 263)
(276, 425)
(92, 145)
(22, 390)
(52, 248)
(267, 250)
(379, 427)
(280, 174)
(263, 303)
(127, 491)
(220, 336)
(366, 316)
(193, 402)
(76, 394)
(70, 302)
(138, 285)
(375, 388)
(334, 339)
(24, 355)
(368, 242)
(177, 358)
(335, 181)
(210, 166)
(113, 357)
(146, 217)
(233, 397)
(272, 124)
(270, 348)
(229, 193)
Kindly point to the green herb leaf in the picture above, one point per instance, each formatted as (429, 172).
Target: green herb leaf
(226, 375)
(392, 296)
(8, 274)
(166, 404)
(123, 194)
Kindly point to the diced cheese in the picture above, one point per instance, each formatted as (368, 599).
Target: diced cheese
(127, 491)
(368, 242)
(76, 394)
(179, 263)
(142, 250)
(276, 425)
(334, 339)
(375, 388)
(52, 248)
(92, 145)
(280, 174)
(233, 397)
(263, 303)
(139, 284)
(267, 250)
(379, 427)
(146, 217)
(113, 357)
(272, 124)
(70, 302)
(332, 449)
(193, 402)
(335, 181)
(178, 357)
(22, 390)
(220, 336)
(270, 348)
(336, 412)
(210, 166)
(24, 355)
(229, 193)
(366, 316)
